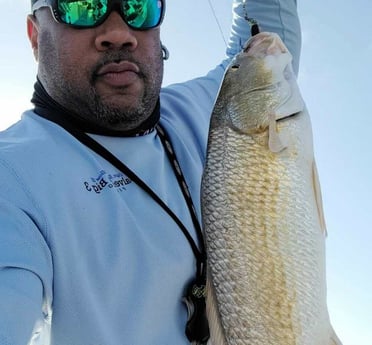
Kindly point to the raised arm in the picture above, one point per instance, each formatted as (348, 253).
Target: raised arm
(188, 106)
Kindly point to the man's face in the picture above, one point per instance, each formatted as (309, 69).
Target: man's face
(109, 74)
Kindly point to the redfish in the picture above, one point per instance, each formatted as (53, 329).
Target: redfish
(262, 209)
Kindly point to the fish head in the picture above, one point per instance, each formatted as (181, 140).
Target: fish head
(260, 85)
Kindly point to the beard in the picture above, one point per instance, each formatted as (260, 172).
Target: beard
(74, 88)
(89, 105)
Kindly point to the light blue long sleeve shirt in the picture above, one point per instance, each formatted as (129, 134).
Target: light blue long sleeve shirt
(86, 256)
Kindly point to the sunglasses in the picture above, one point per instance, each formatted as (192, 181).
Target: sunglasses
(137, 14)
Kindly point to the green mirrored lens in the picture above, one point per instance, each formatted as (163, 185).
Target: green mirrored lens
(138, 14)
(142, 14)
(82, 12)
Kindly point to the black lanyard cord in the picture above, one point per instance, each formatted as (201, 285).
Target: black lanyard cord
(106, 154)
(185, 190)
(197, 329)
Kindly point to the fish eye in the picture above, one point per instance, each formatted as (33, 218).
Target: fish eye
(235, 66)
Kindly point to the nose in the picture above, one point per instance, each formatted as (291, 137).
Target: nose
(114, 33)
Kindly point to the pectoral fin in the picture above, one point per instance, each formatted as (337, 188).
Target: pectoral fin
(276, 141)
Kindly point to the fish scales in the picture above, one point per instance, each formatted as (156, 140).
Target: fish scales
(261, 205)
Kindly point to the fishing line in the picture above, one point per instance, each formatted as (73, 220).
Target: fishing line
(252, 22)
(217, 21)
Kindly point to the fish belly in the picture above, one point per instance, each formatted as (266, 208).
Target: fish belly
(264, 238)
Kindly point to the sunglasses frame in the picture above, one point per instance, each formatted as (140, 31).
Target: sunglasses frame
(111, 5)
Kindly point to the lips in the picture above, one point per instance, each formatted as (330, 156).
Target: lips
(118, 74)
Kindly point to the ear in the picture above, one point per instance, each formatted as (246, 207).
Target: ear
(33, 34)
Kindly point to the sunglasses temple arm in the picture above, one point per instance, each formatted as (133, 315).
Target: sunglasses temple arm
(38, 4)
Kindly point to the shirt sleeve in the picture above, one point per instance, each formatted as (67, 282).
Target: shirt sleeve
(279, 16)
(25, 278)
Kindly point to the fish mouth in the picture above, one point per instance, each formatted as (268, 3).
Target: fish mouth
(264, 43)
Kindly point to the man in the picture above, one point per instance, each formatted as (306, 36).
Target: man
(99, 240)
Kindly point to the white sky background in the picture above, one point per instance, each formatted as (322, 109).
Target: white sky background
(335, 78)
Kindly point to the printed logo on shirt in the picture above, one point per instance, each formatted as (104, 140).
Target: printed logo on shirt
(104, 180)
